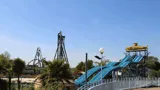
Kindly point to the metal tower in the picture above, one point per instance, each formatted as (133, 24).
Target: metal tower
(61, 51)
(37, 61)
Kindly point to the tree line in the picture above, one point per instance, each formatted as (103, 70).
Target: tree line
(52, 75)
(11, 67)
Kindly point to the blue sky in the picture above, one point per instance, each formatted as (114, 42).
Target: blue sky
(87, 25)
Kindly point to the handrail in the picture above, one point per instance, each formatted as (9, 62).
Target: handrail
(123, 83)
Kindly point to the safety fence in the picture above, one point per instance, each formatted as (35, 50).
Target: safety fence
(121, 84)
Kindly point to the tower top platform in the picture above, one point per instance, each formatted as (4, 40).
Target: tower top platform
(136, 47)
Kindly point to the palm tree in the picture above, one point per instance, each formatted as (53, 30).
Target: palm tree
(18, 67)
(56, 72)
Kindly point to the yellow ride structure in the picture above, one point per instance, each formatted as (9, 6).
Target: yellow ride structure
(136, 47)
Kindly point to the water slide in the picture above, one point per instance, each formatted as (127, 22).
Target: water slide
(137, 59)
(90, 72)
(108, 70)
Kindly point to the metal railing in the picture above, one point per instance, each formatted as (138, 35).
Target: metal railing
(121, 84)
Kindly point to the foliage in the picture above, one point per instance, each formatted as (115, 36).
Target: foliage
(153, 73)
(153, 59)
(28, 88)
(158, 73)
(6, 62)
(18, 67)
(103, 63)
(3, 61)
(3, 85)
(45, 62)
(57, 71)
(7, 55)
(90, 64)
(153, 64)
(6, 66)
(13, 87)
(81, 65)
(49, 86)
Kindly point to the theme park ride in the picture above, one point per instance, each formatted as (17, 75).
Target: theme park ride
(141, 55)
(37, 62)
(61, 53)
(134, 55)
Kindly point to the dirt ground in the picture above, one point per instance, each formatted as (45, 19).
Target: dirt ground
(147, 89)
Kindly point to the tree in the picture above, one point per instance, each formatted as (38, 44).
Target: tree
(3, 85)
(7, 55)
(152, 58)
(153, 73)
(45, 62)
(90, 64)
(80, 66)
(158, 73)
(153, 63)
(157, 67)
(104, 62)
(3, 61)
(18, 67)
(57, 71)
(6, 65)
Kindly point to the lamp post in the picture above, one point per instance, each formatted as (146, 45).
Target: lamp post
(86, 68)
(101, 50)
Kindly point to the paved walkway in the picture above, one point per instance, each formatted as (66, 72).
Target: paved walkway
(147, 89)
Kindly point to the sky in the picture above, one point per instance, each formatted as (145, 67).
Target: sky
(87, 25)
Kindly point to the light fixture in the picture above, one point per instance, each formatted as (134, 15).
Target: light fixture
(101, 50)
